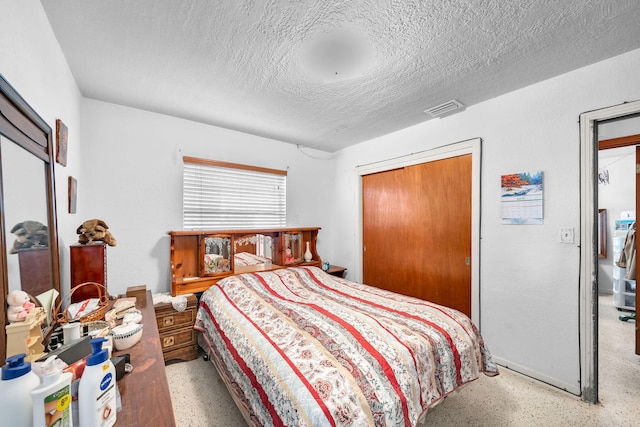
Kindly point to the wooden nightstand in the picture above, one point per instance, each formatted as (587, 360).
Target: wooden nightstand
(177, 336)
(336, 270)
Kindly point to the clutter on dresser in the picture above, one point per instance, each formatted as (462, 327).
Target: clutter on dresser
(18, 379)
(84, 351)
(97, 391)
(26, 336)
(51, 399)
(88, 309)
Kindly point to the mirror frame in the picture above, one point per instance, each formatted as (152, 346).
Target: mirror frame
(22, 125)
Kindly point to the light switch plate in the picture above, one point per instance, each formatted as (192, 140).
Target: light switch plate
(566, 235)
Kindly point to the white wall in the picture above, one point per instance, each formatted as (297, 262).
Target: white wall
(529, 281)
(132, 179)
(32, 62)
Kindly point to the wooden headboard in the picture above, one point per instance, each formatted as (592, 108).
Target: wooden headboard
(195, 266)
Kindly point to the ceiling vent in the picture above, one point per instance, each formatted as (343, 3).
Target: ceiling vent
(444, 109)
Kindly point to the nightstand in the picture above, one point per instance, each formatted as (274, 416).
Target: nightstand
(336, 270)
(177, 336)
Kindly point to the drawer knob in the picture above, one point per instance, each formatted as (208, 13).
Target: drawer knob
(167, 321)
(167, 342)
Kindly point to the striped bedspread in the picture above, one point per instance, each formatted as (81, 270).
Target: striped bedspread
(299, 347)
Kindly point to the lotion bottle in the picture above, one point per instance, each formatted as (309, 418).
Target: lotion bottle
(17, 382)
(97, 389)
(52, 398)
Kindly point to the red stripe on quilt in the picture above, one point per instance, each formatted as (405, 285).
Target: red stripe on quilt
(293, 367)
(422, 303)
(386, 368)
(240, 361)
(454, 349)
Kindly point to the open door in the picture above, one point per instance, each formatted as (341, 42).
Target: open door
(626, 141)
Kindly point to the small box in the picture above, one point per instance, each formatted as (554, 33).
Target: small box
(140, 292)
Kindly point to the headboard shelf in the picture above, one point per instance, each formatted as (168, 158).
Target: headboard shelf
(200, 258)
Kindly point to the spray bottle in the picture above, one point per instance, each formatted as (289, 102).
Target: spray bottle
(15, 392)
(97, 389)
(52, 398)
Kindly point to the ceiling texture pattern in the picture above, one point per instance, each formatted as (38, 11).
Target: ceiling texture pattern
(328, 73)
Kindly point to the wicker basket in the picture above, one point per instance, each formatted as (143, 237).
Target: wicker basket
(97, 314)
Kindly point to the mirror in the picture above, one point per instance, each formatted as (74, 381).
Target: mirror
(216, 256)
(25, 218)
(293, 248)
(28, 228)
(253, 250)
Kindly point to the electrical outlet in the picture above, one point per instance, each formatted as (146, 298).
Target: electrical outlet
(566, 235)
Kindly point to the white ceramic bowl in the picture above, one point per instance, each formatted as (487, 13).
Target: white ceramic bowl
(126, 335)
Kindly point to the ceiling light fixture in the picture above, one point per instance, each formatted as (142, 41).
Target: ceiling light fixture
(338, 55)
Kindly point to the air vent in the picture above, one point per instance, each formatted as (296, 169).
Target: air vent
(443, 109)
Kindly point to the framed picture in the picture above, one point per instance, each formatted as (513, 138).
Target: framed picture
(73, 194)
(61, 142)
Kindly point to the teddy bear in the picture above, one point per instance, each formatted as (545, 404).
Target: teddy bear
(19, 306)
(30, 234)
(95, 230)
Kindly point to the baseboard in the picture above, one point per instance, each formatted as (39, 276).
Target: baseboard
(571, 388)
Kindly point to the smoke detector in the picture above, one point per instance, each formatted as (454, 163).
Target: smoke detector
(444, 109)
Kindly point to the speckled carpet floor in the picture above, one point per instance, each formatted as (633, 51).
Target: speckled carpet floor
(200, 398)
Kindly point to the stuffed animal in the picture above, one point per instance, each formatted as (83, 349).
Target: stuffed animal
(19, 306)
(30, 234)
(95, 230)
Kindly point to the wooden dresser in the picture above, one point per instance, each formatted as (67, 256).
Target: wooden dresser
(144, 392)
(88, 264)
(177, 336)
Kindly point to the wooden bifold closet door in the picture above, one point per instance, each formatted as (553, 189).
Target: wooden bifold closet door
(417, 231)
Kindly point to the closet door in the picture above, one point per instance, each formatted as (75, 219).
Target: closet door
(417, 231)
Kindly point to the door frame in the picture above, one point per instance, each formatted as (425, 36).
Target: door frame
(470, 146)
(588, 304)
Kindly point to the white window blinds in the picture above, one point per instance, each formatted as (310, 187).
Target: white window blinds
(218, 195)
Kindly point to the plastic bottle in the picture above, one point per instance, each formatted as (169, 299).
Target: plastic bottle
(15, 392)
(97, 389)
(52, 398)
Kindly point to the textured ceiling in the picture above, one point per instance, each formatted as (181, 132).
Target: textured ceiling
(328, 73)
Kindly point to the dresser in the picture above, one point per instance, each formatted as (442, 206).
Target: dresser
(177, 336)
(88, 264)
(144, 392)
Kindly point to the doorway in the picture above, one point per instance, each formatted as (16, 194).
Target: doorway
(589, 247)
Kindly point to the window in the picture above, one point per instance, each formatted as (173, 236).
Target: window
(219, 195)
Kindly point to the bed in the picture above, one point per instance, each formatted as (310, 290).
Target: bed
(244, 259)
(298, 347)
